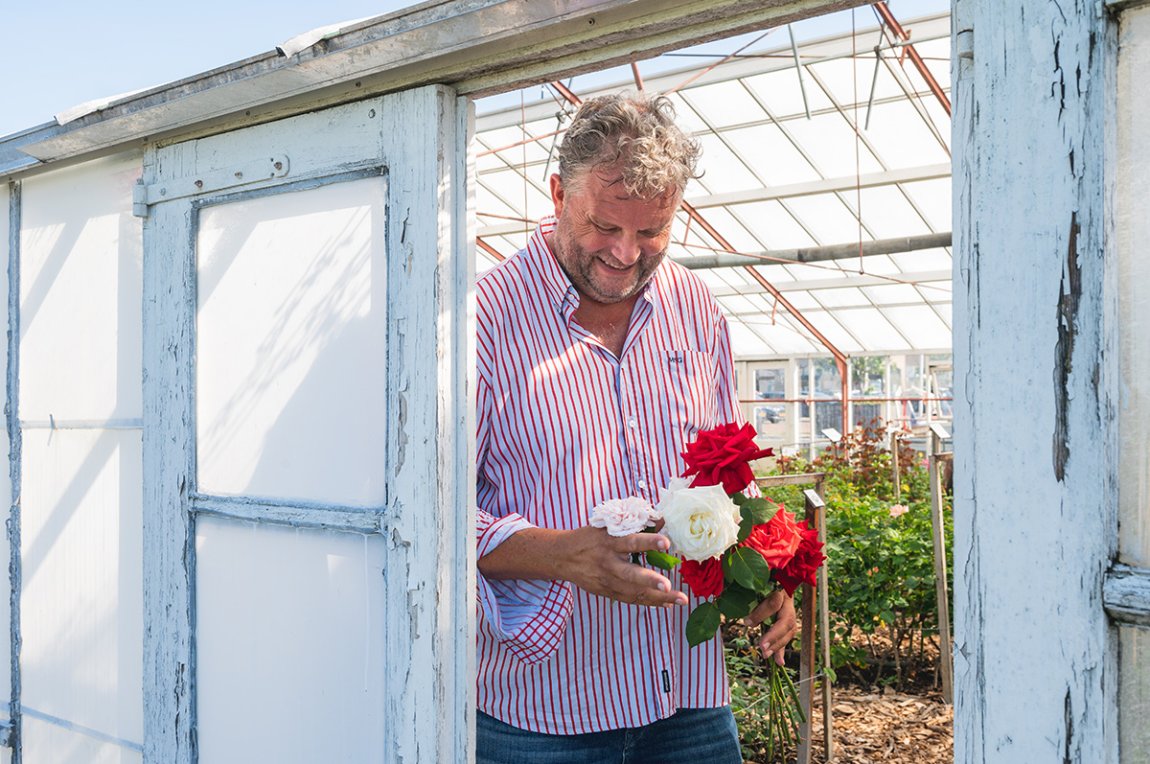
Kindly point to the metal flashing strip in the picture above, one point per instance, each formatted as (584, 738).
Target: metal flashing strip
(479, 46)
(1126, 595)
(103, 737)
(294, 515)
(15, 441)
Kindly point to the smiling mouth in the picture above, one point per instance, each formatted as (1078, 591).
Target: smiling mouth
(616, 268)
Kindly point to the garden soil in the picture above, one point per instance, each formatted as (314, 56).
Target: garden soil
(890, 727)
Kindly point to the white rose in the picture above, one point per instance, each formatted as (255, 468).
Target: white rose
(700, 522)
(622, 517)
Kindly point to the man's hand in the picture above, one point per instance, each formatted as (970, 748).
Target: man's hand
(601, 564)
(782, 631)
(590, 559)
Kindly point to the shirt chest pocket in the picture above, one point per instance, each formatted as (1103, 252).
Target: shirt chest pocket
(689, 385)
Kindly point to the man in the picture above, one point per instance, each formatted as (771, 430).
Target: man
(597, 362)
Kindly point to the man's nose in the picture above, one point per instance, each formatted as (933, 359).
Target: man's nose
(626, 249)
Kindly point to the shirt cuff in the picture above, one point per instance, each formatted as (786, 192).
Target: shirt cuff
(529, 617)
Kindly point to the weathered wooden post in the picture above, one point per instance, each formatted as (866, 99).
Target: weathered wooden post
(946, 658)
(895, 478)
(815, 598)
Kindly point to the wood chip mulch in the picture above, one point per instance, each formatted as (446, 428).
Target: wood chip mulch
(890, 727)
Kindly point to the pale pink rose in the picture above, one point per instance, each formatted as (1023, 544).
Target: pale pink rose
(898, 510)
(622, 517)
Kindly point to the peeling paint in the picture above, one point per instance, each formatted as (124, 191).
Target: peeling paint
(1070, 294)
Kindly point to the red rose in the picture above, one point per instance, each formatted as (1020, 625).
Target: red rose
(721, 456)
(705, 578)
(776, 540)
(804, 566)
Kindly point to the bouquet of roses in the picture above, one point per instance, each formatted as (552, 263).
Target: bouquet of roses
(736, 550)
(733, 550)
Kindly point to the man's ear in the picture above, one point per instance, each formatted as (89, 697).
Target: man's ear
(557, 193)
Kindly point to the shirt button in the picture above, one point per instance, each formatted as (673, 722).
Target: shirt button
(631, 422)
(642, 484)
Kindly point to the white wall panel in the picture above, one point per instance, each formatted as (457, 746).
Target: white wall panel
(82, 587)
(5, 476)
(80, 284)
(45, 741)
(1133, 226)
(291, 400)
(289, 644)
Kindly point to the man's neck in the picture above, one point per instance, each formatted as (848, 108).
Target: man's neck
(608, 322)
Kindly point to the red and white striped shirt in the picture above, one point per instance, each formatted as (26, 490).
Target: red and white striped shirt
(563, 426)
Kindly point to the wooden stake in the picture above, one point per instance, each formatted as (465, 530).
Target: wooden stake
(946, 659)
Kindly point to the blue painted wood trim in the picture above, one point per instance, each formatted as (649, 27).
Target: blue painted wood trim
(277, 186)
(292, 514)
(12, 411)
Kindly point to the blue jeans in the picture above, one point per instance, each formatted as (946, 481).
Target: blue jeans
(691, 736)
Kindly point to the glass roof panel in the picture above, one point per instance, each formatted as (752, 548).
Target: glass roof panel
(830, 143)
(936, 259)
(921, 325)
(872, 329)
(831, 221)
(833, 330)
(802, 300)
(932, 197)
(899, 134)
(724, 104)
(686, 116)
(780, 93)
(835, 75)
(773, 225)
(732, 230)
(842, 297)
(893, 294)
(887, 213)
(771, 154)
(724, 172)
(873, 264)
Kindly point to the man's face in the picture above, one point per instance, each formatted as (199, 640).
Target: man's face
(609, 243)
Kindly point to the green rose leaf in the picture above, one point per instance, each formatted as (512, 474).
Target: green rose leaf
(745, 528)
(703, 623)
(662, 560)
(737, 602)
(738, 498)
(748, 568)
(758, 511)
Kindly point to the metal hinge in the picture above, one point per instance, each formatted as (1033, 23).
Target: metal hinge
(143, 196)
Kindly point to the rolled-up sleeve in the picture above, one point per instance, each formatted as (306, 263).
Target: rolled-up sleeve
(528, 616)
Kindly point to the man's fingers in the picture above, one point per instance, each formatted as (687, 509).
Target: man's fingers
(783, 630)
(643, 542)
(765, 609)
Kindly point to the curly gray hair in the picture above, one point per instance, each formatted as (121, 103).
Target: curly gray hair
(637, 134)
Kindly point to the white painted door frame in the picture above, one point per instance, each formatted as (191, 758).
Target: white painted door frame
(418, 137)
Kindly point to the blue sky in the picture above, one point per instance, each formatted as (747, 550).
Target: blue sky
(60, 53)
